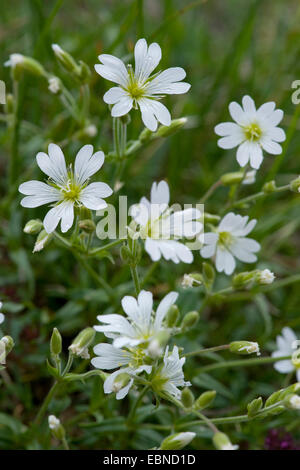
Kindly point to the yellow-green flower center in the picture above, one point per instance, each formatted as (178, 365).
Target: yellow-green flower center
(253, 132)
(296, 359)
(71, 192)
(225, 239)
(135, 90)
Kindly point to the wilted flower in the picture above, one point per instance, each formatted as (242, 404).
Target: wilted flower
(254, 131)
(161, 228)
(137, 88)
(266, 277)
(54, 85)
(229, 241)
(67, 188)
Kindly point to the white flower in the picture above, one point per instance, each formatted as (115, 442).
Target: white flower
(2, 317)
(66, 187)
(266, 277)
(187, 281)
(249, 177)
(90, 130)
(254, 131)
(137, 88)
(142, 324)
(161, 228)
(14, 59)
(54, 423)
(109, 357)
(171, 376)
(230, 242)
(287, 344)
(54, 85)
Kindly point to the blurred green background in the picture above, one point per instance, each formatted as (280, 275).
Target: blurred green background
(228, 49)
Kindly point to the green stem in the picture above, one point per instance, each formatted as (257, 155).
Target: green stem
(210, 191)
(96, 251)
(206, 350)
(68, 365)
(65, 443)
(132, 413)
(46, 403)
(135, 277)
(242, 363)
(259, 195)
(13, 167)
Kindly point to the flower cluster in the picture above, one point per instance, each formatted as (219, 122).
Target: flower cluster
(138, 343)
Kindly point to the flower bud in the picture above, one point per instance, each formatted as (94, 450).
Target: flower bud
(232, 178)
(33, 226)
(295, 185)
(42, 240)
(66, 60)
(177, 441)
(243, 279)
(187, 398)
(211, 218)
(265, 277)
(292, 401)
(55, 342)
(87, 225)
(80, 345)
(19, 63)
(145, 135)
(175, 126)
(84, 71)
(205, 399)
(172, 316)
(191, 280)
(222, 442)
(244, 347)
(269, 187)
(9, 105)
(120, 382)
(56, 427)
(190, 320)
(254, 406)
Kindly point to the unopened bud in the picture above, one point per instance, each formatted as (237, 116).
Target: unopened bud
(84, 71)
(254, 406)
(175, 126)
(208, 274)
(187, 398)
(205, 399)
(33, 226)
(9, 105)
(269, 187)
(145, 135)
(222, 442)
(177, 441)
(87, 225)
(295, 185)
(244, 347)
(66, 60)
(211, 218)
(80, 345)
(265, 277)
(172, 316)
(190, 320)
(42, 240)
(6, 345)
(55, 342)
(232, 178)
(19, 63)
(243, 279)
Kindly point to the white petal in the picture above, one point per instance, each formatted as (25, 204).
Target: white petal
(110, 357)
(289, 335)
(276, 133)
(146, 60)
(123, 106)
(220, 260)
(168, 82)
(124, 391)
(208, 251)
(113, 95)
(266, 109)
(153, 111)
(38, 193)
(284, 367)
(243, 154)
(237, 113)
(91, 196)
(230, 141)
(256, 156)
(160, 193)
(113, 69)
(229, 262)
(54, 164)
(270, 146)
(115, 324)
(248, 105)
(145, 302)
(152, 248)
(228, 128)
(164, 307)
(64, 212)
(275, 118)
(130, 307)
(87, 163)
(2, 318)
